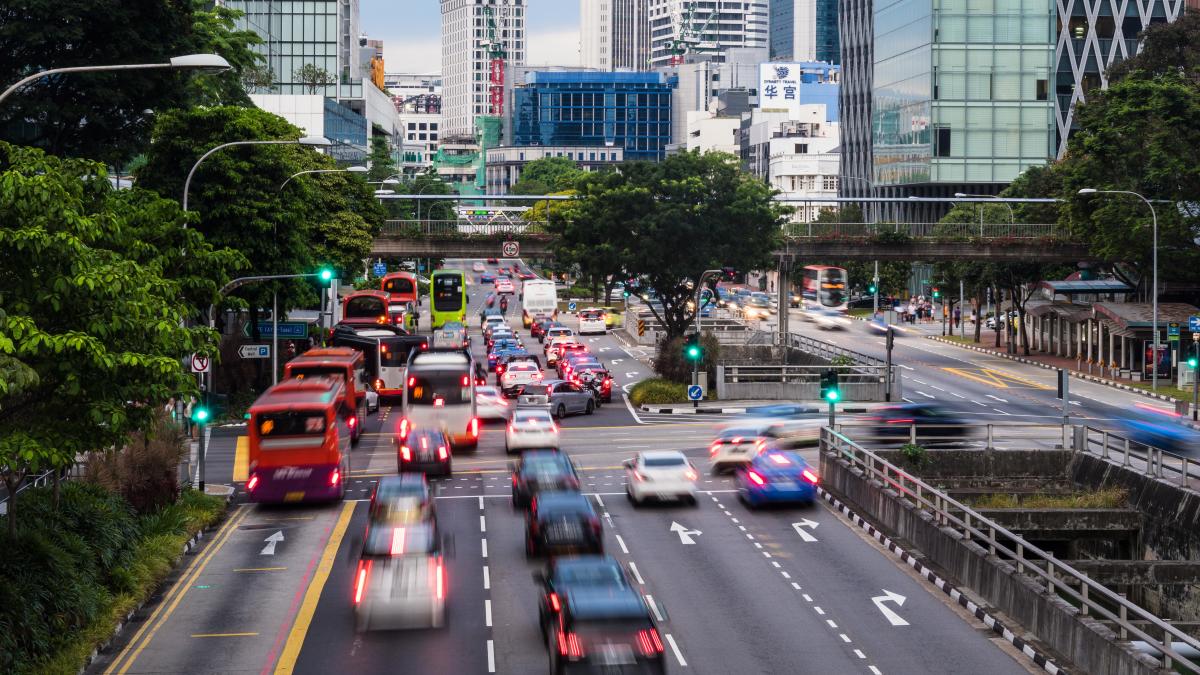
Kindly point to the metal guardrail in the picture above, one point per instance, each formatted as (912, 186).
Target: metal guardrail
(1178, 469)
(42, 479)
(989, 436)
(1092, 598)
(828, 351)
(948, 231)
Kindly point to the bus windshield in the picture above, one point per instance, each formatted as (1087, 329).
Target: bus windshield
(365, 307)
(300, 371)
(394, 353)
(291, 423)
(447, 292)
(400, 286)
(439, 388)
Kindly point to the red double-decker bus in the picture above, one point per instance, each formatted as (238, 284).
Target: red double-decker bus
(300, 442)
(365, 308)
(401, 287)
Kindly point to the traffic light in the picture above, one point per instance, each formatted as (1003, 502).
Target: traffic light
(829, 386)
(729, 273)
(692, 350)
(626, 294)
(199, 414)
(936, 293)
(871, 289)
(326, 274)
(1192, 361)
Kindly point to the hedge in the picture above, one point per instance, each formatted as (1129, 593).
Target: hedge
(73, 571)
(657, 390)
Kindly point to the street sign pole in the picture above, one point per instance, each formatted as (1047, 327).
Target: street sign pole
(1196, 376)
(887, 369)
(274, 337)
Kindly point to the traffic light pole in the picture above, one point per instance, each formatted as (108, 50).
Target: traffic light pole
(203, 450)
(1195, 375)
(875, 286)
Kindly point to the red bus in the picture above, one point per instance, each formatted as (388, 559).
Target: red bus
(346, 365)
(365, 308)
(400, 286)
(299, 442)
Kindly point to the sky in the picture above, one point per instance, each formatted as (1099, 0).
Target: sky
(411, 32)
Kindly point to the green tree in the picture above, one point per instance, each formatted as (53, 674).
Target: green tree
(214, 30)
(91, 321)
(546, 175)
(670, 221)
(314, 77)
(1167, 48)
(380, 162)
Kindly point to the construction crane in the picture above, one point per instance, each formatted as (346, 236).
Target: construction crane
(497, 56)
(687, 37)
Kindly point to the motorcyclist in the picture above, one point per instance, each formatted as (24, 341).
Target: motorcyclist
(504, 304)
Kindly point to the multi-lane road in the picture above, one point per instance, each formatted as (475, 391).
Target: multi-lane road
(776, 591)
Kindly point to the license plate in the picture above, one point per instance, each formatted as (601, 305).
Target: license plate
(614, 655)
(785, 484)
(294, 496)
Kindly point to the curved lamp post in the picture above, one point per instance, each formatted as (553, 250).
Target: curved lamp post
(202, 62)
(349, 169)
(314, 141)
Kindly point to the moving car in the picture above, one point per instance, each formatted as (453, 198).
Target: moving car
(879, 325)
(735, 446)
(829, 319)
(400, 579)
(538, 328)
(755, 308)
(452, 335)
(517, 375)
(487, 278)
(530, 428)
(592, 321)
(541, 469)
(776, 476)
(504, 285)
(784, 424)
(562, 523)
(426, 451)
(490, 404)
(1170, 436)
(556, 330)
(660, 474)
(930, 419)
(561, 351)
(477, 266)
(576, 575)
(551, 348)
(401, 499)
(560, 397)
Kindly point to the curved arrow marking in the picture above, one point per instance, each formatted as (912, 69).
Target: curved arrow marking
(888, 596)
(799, 528)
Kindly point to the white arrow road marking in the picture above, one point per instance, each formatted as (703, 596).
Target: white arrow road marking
(997, 398)
(269, 549)
(616, 361)
(1075, 403)
(604, 349)
(799, 528)
(888, 596)
(685, 535)
(632, 373)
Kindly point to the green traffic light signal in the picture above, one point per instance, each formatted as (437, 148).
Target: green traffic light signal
(199, 414)
(832, 395)
(1192, 361)
(871, 288)
(693, 352)
(326, 274)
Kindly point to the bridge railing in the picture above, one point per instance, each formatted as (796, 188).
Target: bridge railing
(945, 231)
(459, 228)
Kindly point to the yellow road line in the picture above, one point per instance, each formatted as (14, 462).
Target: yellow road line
(258, 569)
(241, 460)
(291, 649)
(209, 635)
(171, 600)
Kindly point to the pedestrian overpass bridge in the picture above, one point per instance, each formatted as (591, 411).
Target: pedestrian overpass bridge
(929, 242)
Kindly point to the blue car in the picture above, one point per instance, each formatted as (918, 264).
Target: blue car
(499, 350)
(487, 278)
(776, 476)
(1166, 435)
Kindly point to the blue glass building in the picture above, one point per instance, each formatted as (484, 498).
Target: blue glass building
(631, 111)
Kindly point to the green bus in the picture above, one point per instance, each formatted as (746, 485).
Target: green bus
(448, 293)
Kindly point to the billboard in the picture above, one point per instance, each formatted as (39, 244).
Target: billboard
(779, 87)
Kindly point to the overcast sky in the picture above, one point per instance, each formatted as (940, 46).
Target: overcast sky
(411, 33)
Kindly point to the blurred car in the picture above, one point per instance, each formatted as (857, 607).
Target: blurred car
(755, 308)
(504, 285)
(541, 469)
(660, 474)
(1164, 435)
(877, 324)
(518, 374)
(404, 498)
(486, 312)
(489, 321)
(561, 352)
(760, 297)
(490, 404)
(538, 328)
(560, 397)
(990, 324)
(452, 335)
(400, 579)
(581, 369)
(571, 359)
(560, 523)
(557, 330)
(526, 275)
(735, 446)
(487, 278)
(425, 451)
(491, 261)
(776, 476)
(530, 428)
(612, 316)
(576, 574)
(551, 347)
(829, 319)
(784, 424)
(592, 321)
(477, 266)
(930, 419)
(602, 628)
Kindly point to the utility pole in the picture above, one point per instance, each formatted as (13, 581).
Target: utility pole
(962, 310)
(875, 285)
(1195, 363)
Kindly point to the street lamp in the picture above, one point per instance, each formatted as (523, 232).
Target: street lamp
(313, 141)
(1154, 257)
(349, 169)
(202, 62)
(1012, 219)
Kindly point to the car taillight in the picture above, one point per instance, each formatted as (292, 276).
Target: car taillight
(424, 345)
(406, 453)
(712, 450)
(412, 381)
(639, 476)
(555, 603)
(499, 368)
(442, 454)
(649, 644)
(378, 384)
(404, 428)
(755, 478)
(570, 646)
(360, 582)
(252, 483)
(809, 476)
(352, 422)
(691, 474)
(466, 380)
(473, 427)
(440, 581)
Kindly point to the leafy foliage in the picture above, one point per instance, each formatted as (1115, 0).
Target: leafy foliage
(1167, 48)
(214, 30)
(655, 390)
(547, 175)
(314, 77)
(669, 361)
(380, 162)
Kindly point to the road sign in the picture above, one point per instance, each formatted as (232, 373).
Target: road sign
(510, 249)
(380, 269)
(288, 330)
(1194, 323)
(255, 351)
(200, 363)
(571, 306)
(695, 392)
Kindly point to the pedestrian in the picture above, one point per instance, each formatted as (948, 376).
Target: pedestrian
(957, 316)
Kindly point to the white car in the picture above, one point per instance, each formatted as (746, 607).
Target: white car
(830, 319)
(400, 581)
(490, 404)
(518, 374)
(553, 332)
(477, 266)
(551, 348)
(660, 474)
(783, 425)
(490, 322)
(592, 321)
(733, 447)
(530, 429)
(505, 285)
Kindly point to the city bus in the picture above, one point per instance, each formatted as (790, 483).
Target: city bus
(368, 308)
(824, 288)
(299, 442)
(539, 300)
(386, 349)
(345, 364)
(401, 287)
(448, 292)
(440, 394)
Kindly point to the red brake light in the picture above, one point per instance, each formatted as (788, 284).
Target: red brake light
(352, 422)
(691, 474)
(809, 476)
(755, 478)
(442, 454)
(555, 604)
(570, 646)
(334, 477)
(424, 345)
(637, 475)
(360, 584)
(252, 483)
(473, 427)
(466, 380)
(406, 453)
(712, 450)
(404, 428)
(412, 381)
(378, 384)
(439, 402)
(648, 642)
(440, 582)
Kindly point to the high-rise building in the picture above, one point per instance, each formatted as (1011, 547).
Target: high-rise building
(468, 26)
(804, 30)
(856, 35)
(614, 34)
(679, 27)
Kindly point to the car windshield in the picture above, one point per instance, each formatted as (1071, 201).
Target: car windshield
(591, 314)
(555, 504)
(409, 538)
(487, 391)
(521, 367)
(532, 417)
(664, 461)
(536, 390)
(606, 574)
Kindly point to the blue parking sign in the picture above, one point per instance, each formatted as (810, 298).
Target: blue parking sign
(571, 306)
(695, 392)
(1194, 323)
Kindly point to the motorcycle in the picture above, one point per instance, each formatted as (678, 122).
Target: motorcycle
(591, 382)
(503, 304)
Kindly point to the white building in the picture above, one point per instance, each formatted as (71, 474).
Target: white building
(710, 27)
(421, 133)
(465, 62)
(415, 93)
(702, 80)
(796, 154)
(614, 34)
(709, 131)
(505, 163)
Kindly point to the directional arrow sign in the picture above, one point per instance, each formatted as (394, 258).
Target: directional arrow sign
(799, 528)
(888, 596)
(269, 549)
(685, 535)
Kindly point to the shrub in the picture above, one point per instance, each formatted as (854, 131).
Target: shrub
(671, 364)
(655, 390)
(842, 360)
(915, 455)
(146, 470)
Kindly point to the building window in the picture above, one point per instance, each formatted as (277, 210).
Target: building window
(802, 148)
(829, 182)
(412, 126)
(941, 142)
(1043, 90)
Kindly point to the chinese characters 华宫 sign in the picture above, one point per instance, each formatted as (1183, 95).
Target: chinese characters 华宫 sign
(779, 87)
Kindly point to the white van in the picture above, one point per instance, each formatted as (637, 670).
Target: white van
(539, 300)
(440, 394)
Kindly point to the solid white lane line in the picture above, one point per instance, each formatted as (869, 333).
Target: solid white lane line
(482, 524)
(487, 613)
(926, 395)
(483, 543)
(654, 607)
(859, 654)
(621, 543)
(491, 657)
(997, 398)
(678, 654)
(487, 579)
(636, 574)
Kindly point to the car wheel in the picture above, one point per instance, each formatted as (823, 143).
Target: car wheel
(717, 470)
(591, 407)
(561, 412)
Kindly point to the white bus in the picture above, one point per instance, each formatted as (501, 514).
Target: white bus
(539, 300)
(440, 394)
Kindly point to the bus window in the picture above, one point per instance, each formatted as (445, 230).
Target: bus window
(291, 423)
(447, 292)
(300, 371)
(364, 307)
(430, 388)
(400, 286)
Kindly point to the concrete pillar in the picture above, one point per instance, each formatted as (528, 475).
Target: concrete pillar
(1111, 353)
(1078, 328)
